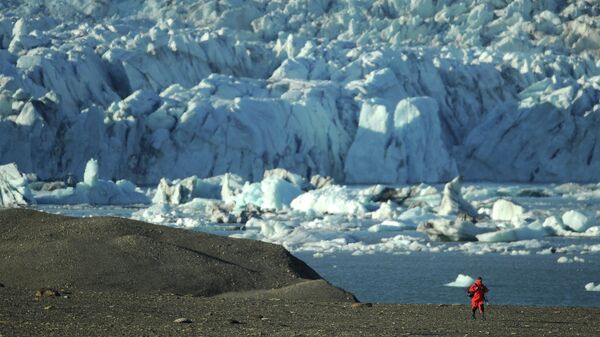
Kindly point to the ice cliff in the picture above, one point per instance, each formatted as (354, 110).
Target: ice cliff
(385, 91)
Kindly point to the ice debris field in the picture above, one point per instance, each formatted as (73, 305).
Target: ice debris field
(358, 127)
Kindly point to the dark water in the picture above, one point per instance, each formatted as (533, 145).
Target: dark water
(420, 277)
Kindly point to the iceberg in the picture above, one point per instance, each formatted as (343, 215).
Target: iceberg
(184, 190)
(95, 191)
(14, 187)
(462, 281)
(592, 287)
(506, 210)
(529, 232)
(564, 259)
(332, 199)
(453, 201)
(577, 221)
(272, 192)
(452, 230)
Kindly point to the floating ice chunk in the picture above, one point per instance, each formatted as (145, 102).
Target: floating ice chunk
(448, 230)
(532, 231)
(462, 281)
(95, 191)
(333, 199)
(232, 186)
(564, 259)
(453, 201)
(592, 231)
(288, 176)
(318, 181)
(389, 226)
(386, 211)
(273, 229)
(555, 224)
(506, 210)
(592, 287)
(278, 193)
(417, 215)
(14, 189)
(577, 221)
(184, 190)
(271, 193)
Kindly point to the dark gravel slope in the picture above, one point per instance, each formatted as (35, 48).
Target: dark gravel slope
(106, 254)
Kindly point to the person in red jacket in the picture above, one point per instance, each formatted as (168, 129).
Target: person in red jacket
(477, 293)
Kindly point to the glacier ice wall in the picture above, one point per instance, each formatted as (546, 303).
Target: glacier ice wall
(389, 91)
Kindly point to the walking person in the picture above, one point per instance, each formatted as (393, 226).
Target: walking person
(477, 293)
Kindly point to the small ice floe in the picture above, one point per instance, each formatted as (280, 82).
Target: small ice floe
(592, 287)
(575, 259)
(462, 281)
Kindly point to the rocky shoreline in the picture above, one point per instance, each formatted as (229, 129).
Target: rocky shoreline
(107, 276)
(115, 313)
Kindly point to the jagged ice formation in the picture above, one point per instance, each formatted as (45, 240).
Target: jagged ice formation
(386, 91)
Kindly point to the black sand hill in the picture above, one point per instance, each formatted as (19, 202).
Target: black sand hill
(106, 254)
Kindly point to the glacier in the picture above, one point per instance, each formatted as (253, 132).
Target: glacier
(364, 92)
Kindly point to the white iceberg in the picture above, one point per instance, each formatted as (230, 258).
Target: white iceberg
(592, 287)
(290, 177)
(453, 201)
(184, 190)
(389, 226)
(506, 210)
(95, 191)
(528, 232)
(332, 199)
(14, 189)
(271, 193)
(577, 221)
(452, 230)
(386, 211)
(462, 281)
(575, 259)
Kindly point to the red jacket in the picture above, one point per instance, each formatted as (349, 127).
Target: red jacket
(478, 289)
